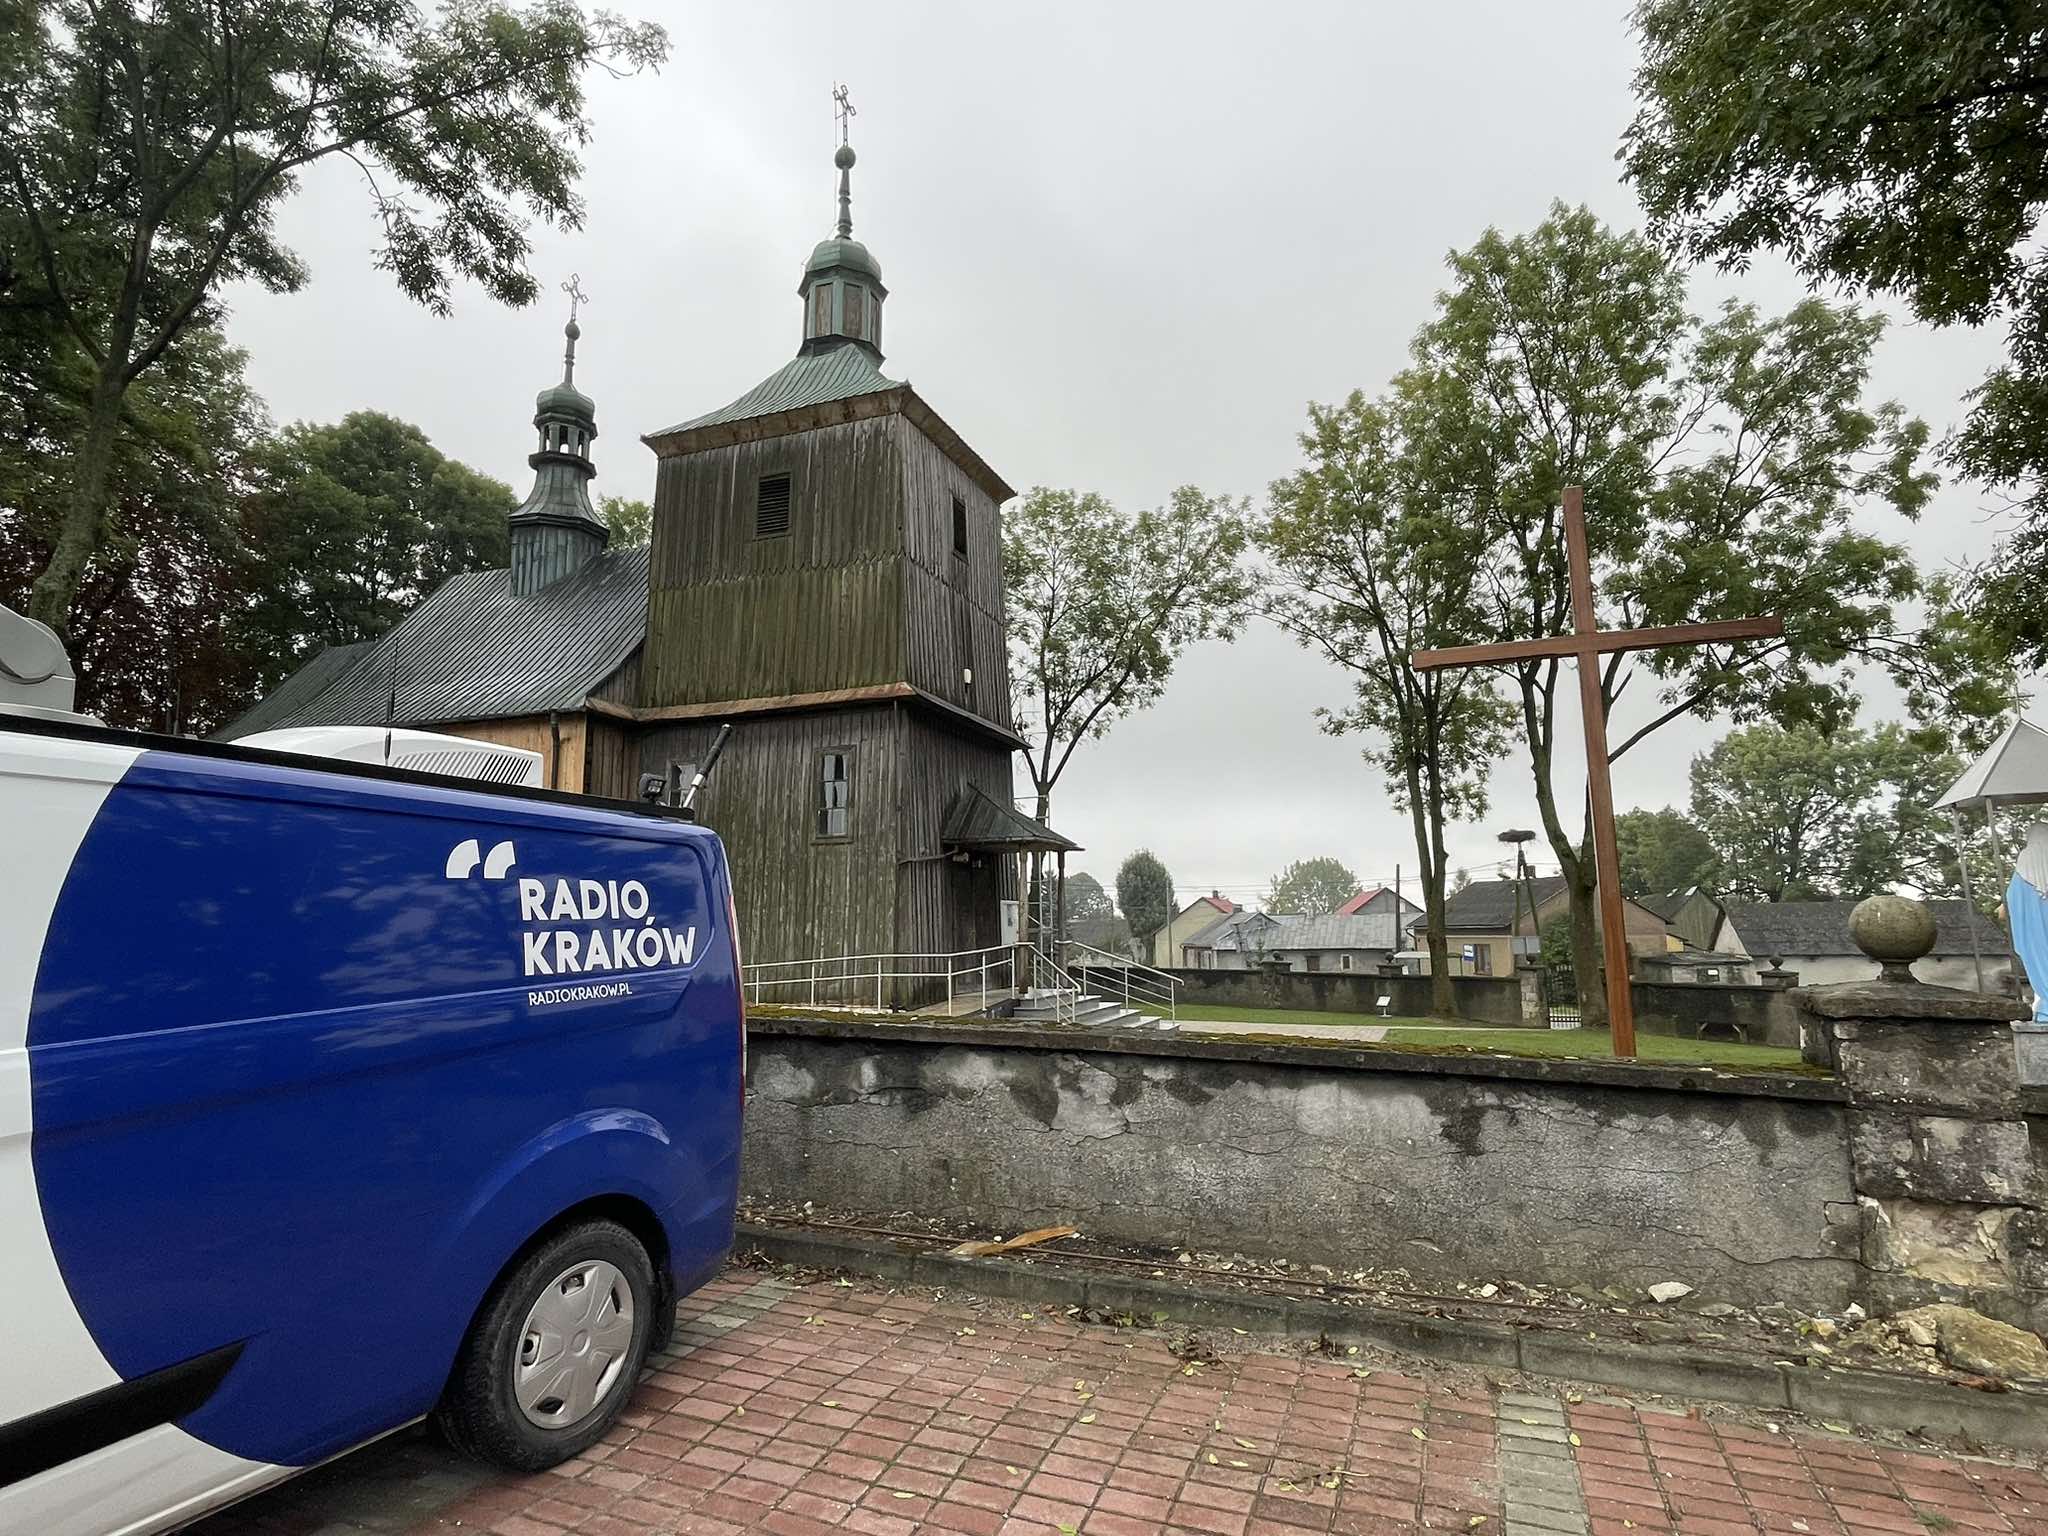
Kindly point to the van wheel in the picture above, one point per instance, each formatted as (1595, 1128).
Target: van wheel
(553, 1355)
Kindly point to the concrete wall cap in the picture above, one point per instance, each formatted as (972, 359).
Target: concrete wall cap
(1896, 1000)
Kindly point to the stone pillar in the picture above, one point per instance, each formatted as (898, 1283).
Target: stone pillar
(1534, 1001)
(1775, 975)
(1951, 1191)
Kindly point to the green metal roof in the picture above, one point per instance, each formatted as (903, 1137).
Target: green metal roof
(978, 820)
(838, 252)
(811, 378)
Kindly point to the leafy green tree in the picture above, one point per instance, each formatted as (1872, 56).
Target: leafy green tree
(149, 152)
(1085, 899)
(1724, 461)
(352, 524)
(153, 633)
(1556, 948)
(1144, 893)
(1662, 851)
(1311, 887)
(1891, 149)
(1795, 815)
(631, 522)
(1101, 606)
(1366, 571)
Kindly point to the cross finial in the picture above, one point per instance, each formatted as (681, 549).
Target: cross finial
(844, 109)
(573, 288)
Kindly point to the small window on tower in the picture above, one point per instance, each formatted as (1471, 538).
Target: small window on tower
(835, 792)
(771, 507)
(855, 296)
(821, 310)
(959, 527)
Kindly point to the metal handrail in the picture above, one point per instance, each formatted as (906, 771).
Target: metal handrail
(1158, 987)
(994, 966)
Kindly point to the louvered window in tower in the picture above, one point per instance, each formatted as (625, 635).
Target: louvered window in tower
(835, 792)
(855, 295)
(771, 507)
(821, 310)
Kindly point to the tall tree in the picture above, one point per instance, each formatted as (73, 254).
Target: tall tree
(1367, 571)
(1662, 851)
(631, 522)
(1085, 899)
(1724, 462)
(352, 524)
(1101, 606)
(153, 635)
(1790, 811)
(1796, 815)
(1311, 887)
(148, 153)
(1891, 149)
(1144, 893)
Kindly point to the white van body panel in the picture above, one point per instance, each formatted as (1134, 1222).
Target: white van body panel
(53, 791)
(155, 1481)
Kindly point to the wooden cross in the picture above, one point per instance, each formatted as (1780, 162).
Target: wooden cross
(1586, 643)
(843, 109)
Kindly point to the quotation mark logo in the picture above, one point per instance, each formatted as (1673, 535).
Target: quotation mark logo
(464, 857)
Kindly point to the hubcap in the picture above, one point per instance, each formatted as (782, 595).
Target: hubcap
(574, 1344)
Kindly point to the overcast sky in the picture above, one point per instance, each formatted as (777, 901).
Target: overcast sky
(1125, 245)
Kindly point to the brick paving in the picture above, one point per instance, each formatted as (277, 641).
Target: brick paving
(802, 1411)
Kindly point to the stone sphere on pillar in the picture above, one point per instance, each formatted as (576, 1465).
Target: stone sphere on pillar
(1894, 931)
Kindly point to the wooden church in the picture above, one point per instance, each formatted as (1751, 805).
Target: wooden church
(825, 572)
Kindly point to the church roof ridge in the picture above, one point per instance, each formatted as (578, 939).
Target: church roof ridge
(809, 378)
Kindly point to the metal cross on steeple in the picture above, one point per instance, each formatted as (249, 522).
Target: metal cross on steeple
(844, 109)
(573, 288)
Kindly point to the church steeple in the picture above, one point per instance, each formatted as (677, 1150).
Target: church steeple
(842, 284)
(555, 530)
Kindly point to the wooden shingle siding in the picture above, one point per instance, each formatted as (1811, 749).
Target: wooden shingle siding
(798, 896)
(953, 606)
(735, 616)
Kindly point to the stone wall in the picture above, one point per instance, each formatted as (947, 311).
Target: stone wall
(1762, 1015)
(1577, 1174)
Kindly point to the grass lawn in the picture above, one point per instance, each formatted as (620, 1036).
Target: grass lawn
(1592, 1044)
(1198, 1013)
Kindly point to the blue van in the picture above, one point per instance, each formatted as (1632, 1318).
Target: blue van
(333, 1098)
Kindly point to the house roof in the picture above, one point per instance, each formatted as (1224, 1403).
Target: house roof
(977, 819)
(1668, 904)
(1363, 897)
(1375, 930)
(475, 650)
(1488, 906)
(1690, 956)
(1819, 928)
(1224, 926)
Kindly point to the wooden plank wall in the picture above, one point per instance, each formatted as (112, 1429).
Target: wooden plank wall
(731, 616)
(532, 733)
(611, 759)
(953, 607)
(941, 905)
(798, 897)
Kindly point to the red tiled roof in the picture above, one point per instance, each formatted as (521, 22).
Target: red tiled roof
(1357, 903)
